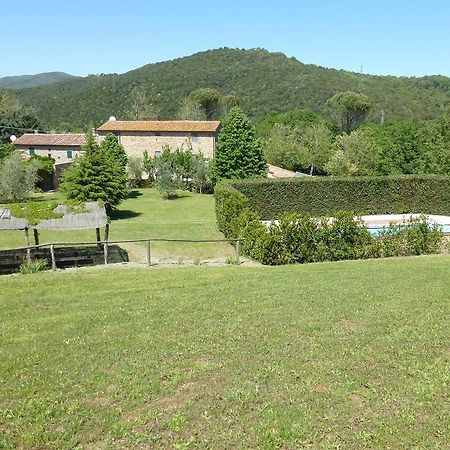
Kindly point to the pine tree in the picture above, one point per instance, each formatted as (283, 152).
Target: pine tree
(95, 176)
(238, 153)
(115, 150)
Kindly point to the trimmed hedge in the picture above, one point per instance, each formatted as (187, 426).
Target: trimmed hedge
(298, 237)
(318, 196)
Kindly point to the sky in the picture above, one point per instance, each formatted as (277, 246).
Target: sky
(396, 37)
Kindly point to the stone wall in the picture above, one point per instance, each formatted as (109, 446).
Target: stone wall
(135, 143)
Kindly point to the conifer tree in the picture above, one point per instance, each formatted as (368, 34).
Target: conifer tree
(238, 152)
(114, 150)
(95, 176)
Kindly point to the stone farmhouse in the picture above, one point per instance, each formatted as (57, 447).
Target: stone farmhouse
(63, 148)
(138, 136)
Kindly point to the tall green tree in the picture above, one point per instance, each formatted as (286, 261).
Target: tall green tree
(95, 176)
(238, 152)
(110, 145)
(349, 110)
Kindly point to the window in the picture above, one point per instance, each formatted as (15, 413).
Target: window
(157, 154)
(31, 151)
(194, 137)
(69, 154)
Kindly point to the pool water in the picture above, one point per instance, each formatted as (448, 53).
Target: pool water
(375, 231)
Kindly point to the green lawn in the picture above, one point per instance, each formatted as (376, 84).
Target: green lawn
(145, 214)
(350, 355)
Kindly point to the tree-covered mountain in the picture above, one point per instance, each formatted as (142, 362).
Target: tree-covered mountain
(29, 81)
(265, 81)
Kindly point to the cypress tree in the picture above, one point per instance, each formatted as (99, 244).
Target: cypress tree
(238, 152)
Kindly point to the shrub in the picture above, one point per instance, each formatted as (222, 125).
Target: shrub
(318, 196)
(33, 266)
(17, 178)
(301, 238)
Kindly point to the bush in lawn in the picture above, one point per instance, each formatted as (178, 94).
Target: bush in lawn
(17, 178)
(415, 237)
(33, 266)
(95, 176)
(135, 169)
(167, 180)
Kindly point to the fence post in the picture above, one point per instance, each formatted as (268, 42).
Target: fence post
(105, 252)
(238, 252)
(149, 253)
(52, 256)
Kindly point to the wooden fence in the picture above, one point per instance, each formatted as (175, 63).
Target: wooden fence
(104, 245)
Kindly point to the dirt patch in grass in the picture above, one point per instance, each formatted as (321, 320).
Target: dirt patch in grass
(353, 326)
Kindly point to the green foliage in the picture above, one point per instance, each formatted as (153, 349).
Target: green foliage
(349, 110)
(167, 179)
(44, 164)
(266, 82)
(179, 169)
(230, 204)
(238, 152)
(15, 119)
(302, 237)
(415, 237)
(295, 118)
(353, 154)
(427, 194)
(299, 149)
(135, 169)
(33, 266)
(17, 178)
(114, 151)
(34, 211)
(95, 176)
(6, 150)
(207, 104)
(209, 101)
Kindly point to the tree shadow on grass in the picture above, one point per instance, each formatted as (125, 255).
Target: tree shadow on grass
(134, 194)
(122, 214)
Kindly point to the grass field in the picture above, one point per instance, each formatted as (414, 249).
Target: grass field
(350, 355)
(145, 214)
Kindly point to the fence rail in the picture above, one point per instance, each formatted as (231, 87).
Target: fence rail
(105, 244)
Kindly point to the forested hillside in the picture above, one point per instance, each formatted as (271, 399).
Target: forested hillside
(265, 81)
(28, 81)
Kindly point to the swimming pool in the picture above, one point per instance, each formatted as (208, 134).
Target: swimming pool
(376, 223)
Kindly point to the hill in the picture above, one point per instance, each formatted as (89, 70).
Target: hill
(29, 81)
(265, 81)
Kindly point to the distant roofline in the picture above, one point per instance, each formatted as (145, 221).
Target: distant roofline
(188, 126)
(55, 139)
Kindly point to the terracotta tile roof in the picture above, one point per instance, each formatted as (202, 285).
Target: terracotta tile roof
(189, 126)
(279, 172)
(61, 140)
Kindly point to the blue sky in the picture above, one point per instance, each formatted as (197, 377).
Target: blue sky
(396, 37)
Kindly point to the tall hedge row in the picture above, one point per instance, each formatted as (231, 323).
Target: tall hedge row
(426, 194)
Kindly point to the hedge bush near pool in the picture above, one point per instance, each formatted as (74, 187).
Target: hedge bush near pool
(323, 196)
(240, 206)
